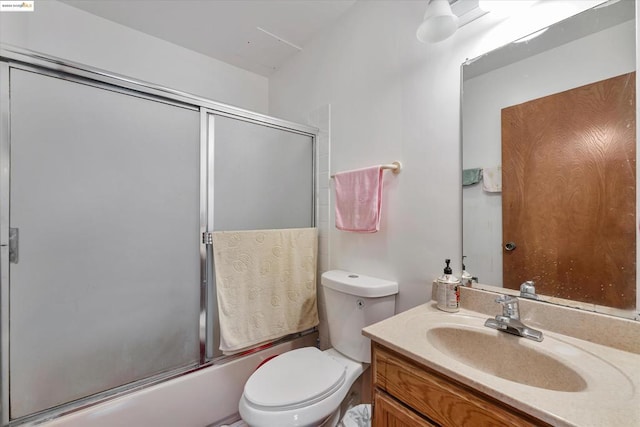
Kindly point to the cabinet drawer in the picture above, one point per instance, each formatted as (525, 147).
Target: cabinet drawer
(388, 412)
(438, 397)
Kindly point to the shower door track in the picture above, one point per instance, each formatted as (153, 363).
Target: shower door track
(16, 56)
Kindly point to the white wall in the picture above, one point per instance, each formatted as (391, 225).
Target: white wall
(583, 61)
(393, 98)
(320, 119)
(60, 30)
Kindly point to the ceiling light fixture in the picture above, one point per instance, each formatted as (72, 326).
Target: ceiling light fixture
(439, 22)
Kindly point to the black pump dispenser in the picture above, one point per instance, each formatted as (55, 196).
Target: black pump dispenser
(447, 269)
(447, 291)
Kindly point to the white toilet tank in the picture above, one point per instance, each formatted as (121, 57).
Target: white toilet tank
(354, 301)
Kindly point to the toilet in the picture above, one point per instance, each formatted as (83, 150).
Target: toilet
(305, 387)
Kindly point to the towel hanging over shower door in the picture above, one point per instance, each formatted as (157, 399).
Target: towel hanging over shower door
(266, 284)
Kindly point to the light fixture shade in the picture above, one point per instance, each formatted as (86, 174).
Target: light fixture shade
(439, 22)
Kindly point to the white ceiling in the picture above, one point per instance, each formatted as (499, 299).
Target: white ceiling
(256, 35)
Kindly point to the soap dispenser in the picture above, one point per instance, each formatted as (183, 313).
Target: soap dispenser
(447, 290)
(467, 279)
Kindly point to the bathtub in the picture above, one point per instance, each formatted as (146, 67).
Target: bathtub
(207, 397)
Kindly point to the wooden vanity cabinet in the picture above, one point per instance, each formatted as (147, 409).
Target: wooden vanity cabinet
(408, 394)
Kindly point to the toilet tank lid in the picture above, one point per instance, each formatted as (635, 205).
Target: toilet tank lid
(358, 284)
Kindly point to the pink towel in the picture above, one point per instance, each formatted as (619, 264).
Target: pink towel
(358, 200)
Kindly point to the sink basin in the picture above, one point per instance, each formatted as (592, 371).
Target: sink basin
(505, 356)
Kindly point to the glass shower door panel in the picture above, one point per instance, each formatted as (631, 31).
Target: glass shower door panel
(263, 177)
(105, 194)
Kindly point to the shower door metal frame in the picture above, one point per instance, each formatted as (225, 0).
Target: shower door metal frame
(4, 242)
(12, 57)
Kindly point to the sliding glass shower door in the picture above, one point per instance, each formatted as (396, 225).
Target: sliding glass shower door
(108, 188)
(263, 178)
(104, 205)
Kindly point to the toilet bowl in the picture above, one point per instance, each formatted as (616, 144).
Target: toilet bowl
(305, 387)
(308, 394)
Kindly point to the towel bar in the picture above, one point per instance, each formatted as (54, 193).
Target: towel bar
(395, 167)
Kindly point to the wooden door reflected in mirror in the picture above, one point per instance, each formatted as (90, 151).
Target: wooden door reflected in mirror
(568, 193)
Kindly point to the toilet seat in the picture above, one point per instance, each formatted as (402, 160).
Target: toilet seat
(294, 379)
(323, 406)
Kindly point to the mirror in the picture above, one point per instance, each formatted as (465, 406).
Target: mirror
(549, 163)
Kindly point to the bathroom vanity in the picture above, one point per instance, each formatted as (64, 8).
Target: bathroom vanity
(437, 368)
(412, 394)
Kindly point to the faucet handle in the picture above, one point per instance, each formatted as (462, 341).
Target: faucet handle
(510, 307)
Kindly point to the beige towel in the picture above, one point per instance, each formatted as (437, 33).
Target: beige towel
(492, 179)
(266, 284)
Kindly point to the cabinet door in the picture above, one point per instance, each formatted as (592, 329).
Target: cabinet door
(388, 412)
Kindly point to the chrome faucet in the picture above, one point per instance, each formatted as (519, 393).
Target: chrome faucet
(528, 290)
(509, 320)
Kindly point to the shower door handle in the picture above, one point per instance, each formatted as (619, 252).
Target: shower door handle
(13, 245)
